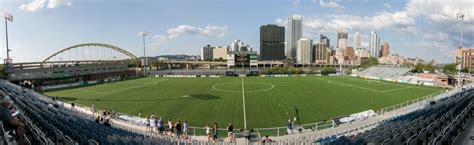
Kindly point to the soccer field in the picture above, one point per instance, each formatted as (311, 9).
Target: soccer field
(255, 102)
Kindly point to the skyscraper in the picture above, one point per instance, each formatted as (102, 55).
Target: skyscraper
(304, 51)
(374, 45)
(342, 39)
(324, 40)
(294, 33)
(272, 42)
(385, 51)
(357, 41)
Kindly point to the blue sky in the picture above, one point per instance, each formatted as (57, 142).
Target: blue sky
(427, 29)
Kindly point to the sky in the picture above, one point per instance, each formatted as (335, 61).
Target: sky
(413, 28)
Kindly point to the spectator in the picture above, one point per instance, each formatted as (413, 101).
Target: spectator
(215, 129)
(104, 113)
(230, 133)
(247, 133)
(93, 108)
(290, 127)
(161, 128)
(178, 128)
(10, 122)
(208, 131)
(267, 139)
(147, 123)
(152, 124)
(185, 129)
(97, 119)
(170, 127)
(107, 123)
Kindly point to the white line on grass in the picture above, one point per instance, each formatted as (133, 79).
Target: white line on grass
(243, 102)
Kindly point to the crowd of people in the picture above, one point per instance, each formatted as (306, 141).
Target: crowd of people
(176, 129)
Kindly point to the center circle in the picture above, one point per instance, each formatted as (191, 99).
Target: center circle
(249, 87)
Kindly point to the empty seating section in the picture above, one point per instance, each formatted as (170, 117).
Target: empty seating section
(440, 123)
(384, 72)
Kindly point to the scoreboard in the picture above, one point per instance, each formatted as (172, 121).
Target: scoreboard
(244, 59)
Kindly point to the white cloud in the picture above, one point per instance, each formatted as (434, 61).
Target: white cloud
(202, 32)
(296, 2)
(208, 31)
(55, 3)
(387, 5)
(329, 4)
(36, 5)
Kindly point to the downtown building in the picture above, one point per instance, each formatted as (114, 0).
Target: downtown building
(374, 45)
(385, 51)
(207, 53)
(304, 51)
(272, 43)
(220, 52)
(465, 58)
(322, 51)
(341, 44)
(294, 33)
(357, 40)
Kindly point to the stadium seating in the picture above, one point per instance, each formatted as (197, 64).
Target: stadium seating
(61, 125)
(384, 72)
(437, 124)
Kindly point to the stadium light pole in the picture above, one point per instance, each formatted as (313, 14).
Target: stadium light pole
(144, 60)
(460, 16)
(7, 17)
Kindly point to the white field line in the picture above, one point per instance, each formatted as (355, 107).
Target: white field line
(243, 102)
(216, 87)
(349, 85)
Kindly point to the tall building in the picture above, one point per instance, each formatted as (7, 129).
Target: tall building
(220, 52)
(385, 51)
(357, 40)
(341, 39)
(374, 45)
(321, 53)
(324, 40)
(272, 42)
(304, 51)
(294, 33)
(465, 58)
(206, 53)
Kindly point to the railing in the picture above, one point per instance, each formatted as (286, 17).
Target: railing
(408, 103)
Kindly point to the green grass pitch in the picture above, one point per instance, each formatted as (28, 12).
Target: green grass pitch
(269, 101)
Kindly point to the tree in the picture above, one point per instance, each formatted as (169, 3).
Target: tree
(328, 70)
(449, 68)
(419, 68)
(371, 61)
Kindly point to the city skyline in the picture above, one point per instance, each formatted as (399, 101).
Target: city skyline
(413, 28)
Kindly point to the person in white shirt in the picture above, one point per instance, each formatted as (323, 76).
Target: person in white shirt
(185, 129)
(208, 132)
(153, 124)
(170, 126)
